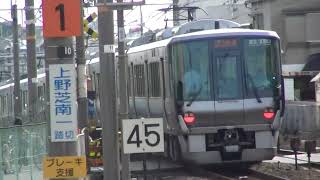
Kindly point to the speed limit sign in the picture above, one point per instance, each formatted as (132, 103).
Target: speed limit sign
(142, 135)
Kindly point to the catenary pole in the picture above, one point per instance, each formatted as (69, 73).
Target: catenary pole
(82, 78)
(108, 94)
(141, 21)
(123, 93)
(31, 60)
(82, 84)
(16, 64)
(57, 148)
(175, 13)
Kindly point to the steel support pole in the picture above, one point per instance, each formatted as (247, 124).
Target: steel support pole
(108, 93)
(82, 84)
(175, 13)
(31, 60)
(123, 93)
(141, 21)
(51, 44)
(16, 64)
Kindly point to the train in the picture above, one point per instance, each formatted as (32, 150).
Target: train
(219, 92)
(7, 101)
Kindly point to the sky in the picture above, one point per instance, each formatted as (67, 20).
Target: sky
(153, 19)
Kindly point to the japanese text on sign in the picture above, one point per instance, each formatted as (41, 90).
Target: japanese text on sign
(63, 110)
(65, 167)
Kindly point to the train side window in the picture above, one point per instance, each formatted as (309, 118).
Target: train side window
(154, 80)
(40, 92)
(10, 107)
(1, 105)
(6, 103)
(140, 80)
(129, 81)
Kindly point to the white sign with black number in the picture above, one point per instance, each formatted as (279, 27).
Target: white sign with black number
(142, 135)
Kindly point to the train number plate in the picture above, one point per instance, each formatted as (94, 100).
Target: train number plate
(232, 148)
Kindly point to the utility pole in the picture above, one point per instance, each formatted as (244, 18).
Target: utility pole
(108, 94)
(59, 30)
(123, 93)
(175, 11)
(141, 21)
(82, 77)
(82, 84)
(31, 60)
(16, 91)
(57, 148)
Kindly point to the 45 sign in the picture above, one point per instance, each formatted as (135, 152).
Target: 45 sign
(142, 135)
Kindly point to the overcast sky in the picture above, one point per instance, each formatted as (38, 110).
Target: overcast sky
(153, 19)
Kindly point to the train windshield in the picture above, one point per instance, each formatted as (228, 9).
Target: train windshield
(262, 59)
(203, 69)
(191, 62)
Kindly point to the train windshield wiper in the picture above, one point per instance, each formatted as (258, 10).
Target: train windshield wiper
(255, 89)
(194, 96)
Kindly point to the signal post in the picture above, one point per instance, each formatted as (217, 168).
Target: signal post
(61, 22)
(111, 123)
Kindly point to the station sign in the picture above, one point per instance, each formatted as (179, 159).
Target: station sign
(63, 98)
(61, 18)
(142, 135)
(64, 167)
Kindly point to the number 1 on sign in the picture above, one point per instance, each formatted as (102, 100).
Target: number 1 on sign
(60, 8)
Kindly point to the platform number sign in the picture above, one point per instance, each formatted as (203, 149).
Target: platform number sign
(61, 18)
(142, 135)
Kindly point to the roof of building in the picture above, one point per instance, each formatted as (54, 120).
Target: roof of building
(303, 7)
(313, 63)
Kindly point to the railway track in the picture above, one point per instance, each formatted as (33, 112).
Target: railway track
(186, 169)
(237, 173)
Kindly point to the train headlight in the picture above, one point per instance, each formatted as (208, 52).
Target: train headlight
(189, 118)
(268, 114)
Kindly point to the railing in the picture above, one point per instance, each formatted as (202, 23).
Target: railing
(22, 149)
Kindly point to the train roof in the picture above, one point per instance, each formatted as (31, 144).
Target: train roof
(222, 33)
(204, 34)
(11, 84)
(152, 45)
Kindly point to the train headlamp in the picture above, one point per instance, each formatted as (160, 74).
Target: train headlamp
(268, 114)
(189, 118)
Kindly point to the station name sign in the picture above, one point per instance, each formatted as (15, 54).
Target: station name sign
(63, 109)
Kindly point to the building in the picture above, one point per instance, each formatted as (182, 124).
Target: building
(296, 22)
(234, 10)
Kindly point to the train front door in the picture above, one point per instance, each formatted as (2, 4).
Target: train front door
(228, 83)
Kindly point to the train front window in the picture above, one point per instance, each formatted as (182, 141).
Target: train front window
(191, 68)
(261, 58)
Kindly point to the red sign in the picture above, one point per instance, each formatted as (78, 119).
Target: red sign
(61, 18)
(225, 43)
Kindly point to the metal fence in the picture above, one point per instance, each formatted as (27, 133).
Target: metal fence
(22, 149)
